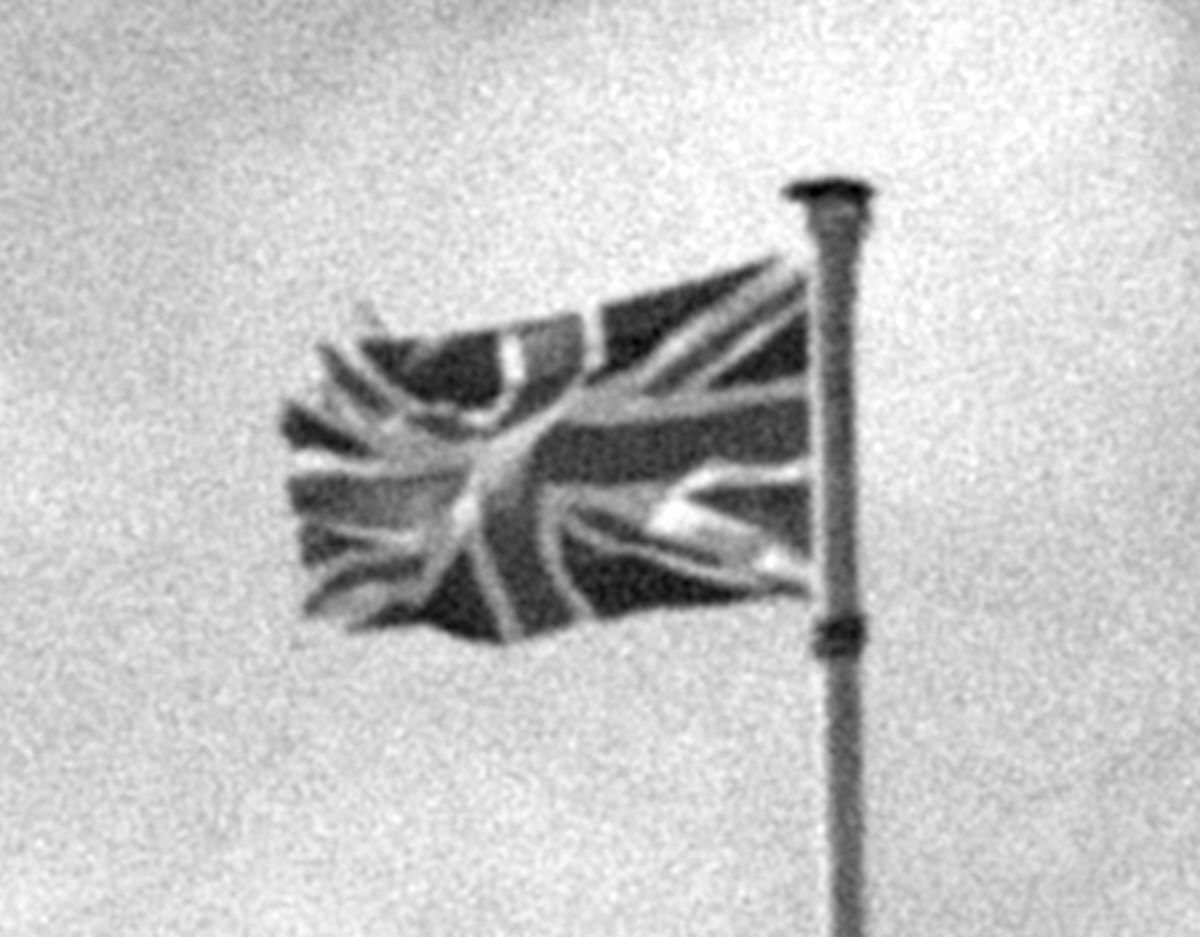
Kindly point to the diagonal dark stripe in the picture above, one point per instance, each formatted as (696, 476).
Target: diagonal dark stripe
(348, 380)
(785, 355)
(304, 429)
(618, 585)
(391, 357)
(319, 544)
(769, 432)
(390, 571)
(635, 327)
(721, 345)
(463, 370)
(382, 503)
(458, 604)
(781, 510)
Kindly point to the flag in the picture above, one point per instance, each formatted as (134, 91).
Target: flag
(651, 453)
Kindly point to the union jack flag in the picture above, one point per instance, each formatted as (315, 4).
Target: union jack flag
(653, 452)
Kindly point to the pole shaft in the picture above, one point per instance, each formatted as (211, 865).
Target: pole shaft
(845, 826)
(837, 219)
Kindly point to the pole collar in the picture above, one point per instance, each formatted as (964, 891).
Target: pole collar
(842, 637)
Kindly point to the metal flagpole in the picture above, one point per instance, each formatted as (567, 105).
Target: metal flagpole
(838, 218)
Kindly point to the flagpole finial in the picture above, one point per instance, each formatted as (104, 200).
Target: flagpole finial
(841, 188)
(836, 196)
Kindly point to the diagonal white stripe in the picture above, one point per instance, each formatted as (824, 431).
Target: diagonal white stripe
(702, 330)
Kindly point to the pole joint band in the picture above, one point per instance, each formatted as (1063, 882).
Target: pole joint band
(842, 637)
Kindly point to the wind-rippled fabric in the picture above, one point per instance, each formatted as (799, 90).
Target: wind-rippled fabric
(501, 484)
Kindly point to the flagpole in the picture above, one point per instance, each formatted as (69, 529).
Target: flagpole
(838, 216)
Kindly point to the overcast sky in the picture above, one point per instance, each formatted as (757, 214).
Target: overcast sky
(190, 199)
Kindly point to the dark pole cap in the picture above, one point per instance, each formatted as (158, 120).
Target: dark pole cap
(813, 190)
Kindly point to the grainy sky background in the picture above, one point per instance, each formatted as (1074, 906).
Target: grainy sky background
(190, 195)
